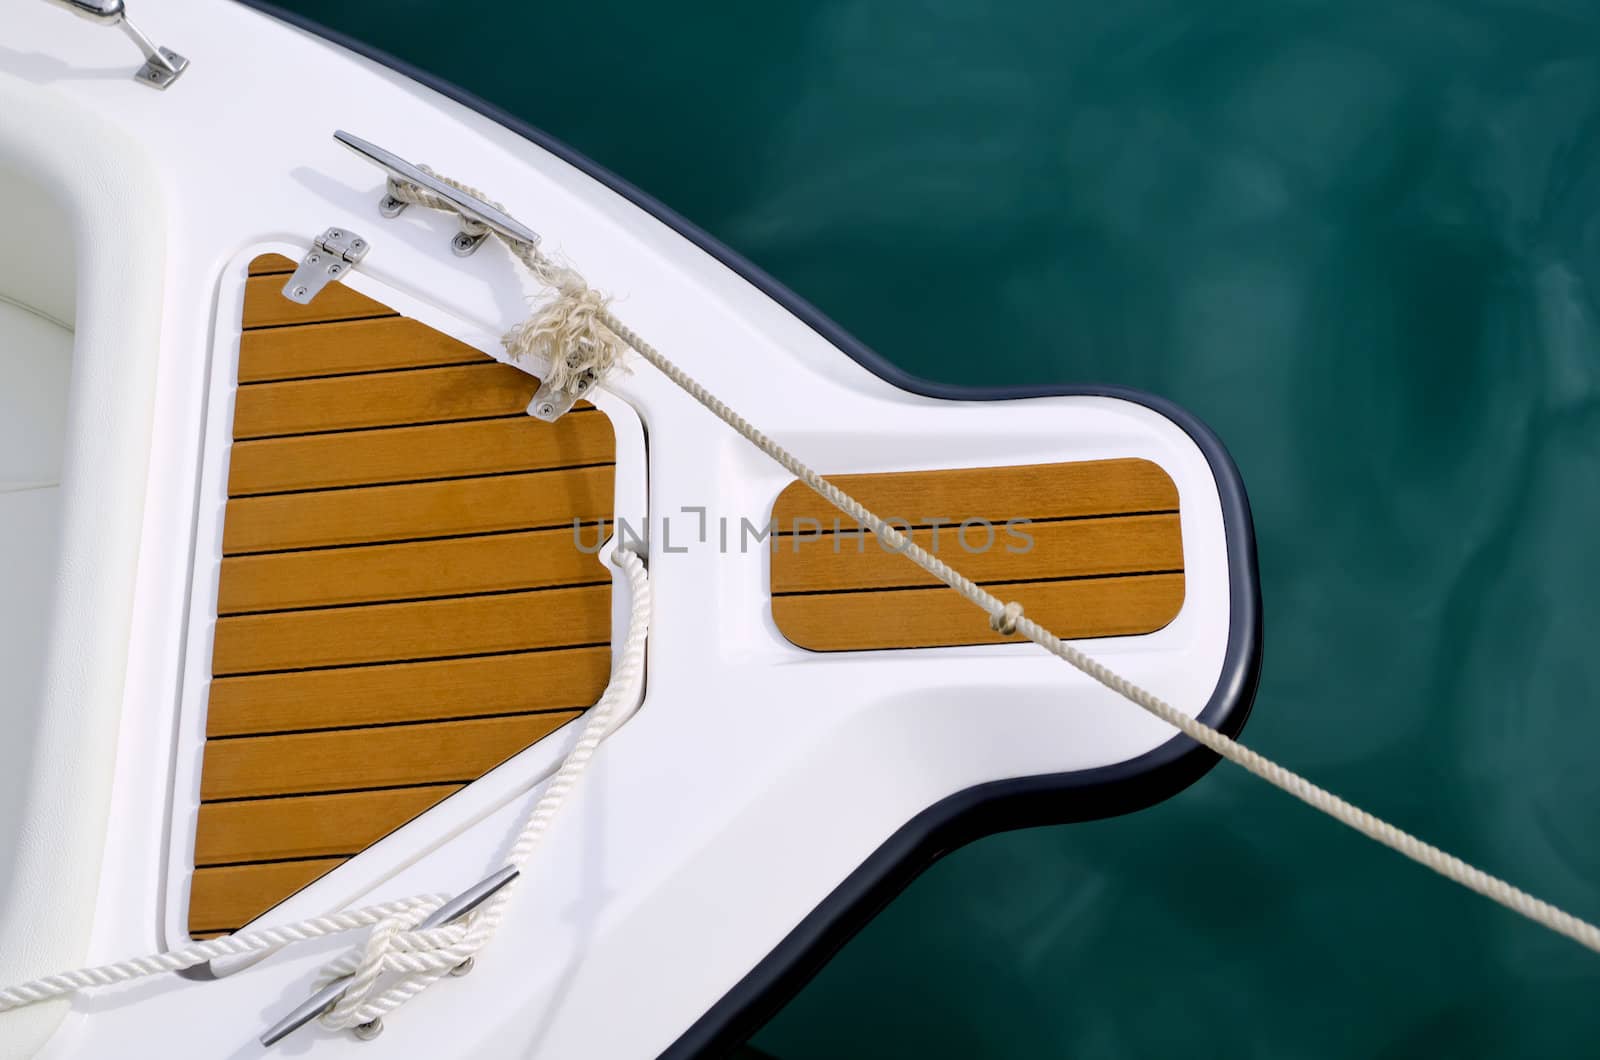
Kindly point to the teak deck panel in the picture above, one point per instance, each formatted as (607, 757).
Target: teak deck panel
(397, 692)
(1026, 491)
(1064, 549)
(273, 354)
(412, 570)
(381, 399)
(265, 306)
(409, 454)
(402, 604)
(1103, 554)
(448, 508)
(376, 633)
(309, 826)
(226, 893)
(433, 752)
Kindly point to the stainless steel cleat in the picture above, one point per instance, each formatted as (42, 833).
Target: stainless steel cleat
(328, 996)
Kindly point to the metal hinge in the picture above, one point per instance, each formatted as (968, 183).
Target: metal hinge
(334, 253)
(550, 404)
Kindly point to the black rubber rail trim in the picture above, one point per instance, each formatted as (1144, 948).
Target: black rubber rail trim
(1018, 802)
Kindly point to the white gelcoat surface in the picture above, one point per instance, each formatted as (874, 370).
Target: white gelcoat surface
(756, 776)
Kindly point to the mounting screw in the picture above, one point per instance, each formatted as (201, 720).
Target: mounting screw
(368, 1031)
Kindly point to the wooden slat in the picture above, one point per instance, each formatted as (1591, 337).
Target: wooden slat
(382, 399)
(444, 450)
(1070, 548)
(429, 509)
(371, 695)
(306, 826)
(265, 306)
(403, 600)
(470, 625)
(270, 263)
(1033, 491)
(347, 346)
(395, 755)
(222, 899)
(1096, 550)
(416, 570)
(919, 618)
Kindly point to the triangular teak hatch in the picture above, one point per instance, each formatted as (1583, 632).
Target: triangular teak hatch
(402, 603)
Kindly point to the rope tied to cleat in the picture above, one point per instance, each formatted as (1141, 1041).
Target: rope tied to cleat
(582, 341)
(413, 942)
(601, 328)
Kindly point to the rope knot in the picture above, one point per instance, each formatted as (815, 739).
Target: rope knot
(1004, 621)
(570, 335)
(396, 946)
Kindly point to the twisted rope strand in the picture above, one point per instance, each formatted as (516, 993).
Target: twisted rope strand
(419, 958)
(577, 334)
(1008, 618)
(1005, 617)
(268, 938)
(396, 948)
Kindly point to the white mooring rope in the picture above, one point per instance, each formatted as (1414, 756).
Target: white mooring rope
(397, 962)
(577, 333)
(1008, 617)
(591, 335)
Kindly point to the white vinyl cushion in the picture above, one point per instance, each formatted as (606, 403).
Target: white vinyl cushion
(37, 267)
(82, 255)
(35, 367)
(35, 362)
(30, 524)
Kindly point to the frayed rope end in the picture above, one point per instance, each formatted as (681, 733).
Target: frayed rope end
(568, 334)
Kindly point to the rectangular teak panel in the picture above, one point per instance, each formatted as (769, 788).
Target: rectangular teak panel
(402, 604)
(1090, 549)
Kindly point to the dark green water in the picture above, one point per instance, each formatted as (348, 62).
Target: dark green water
(1363, 242)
